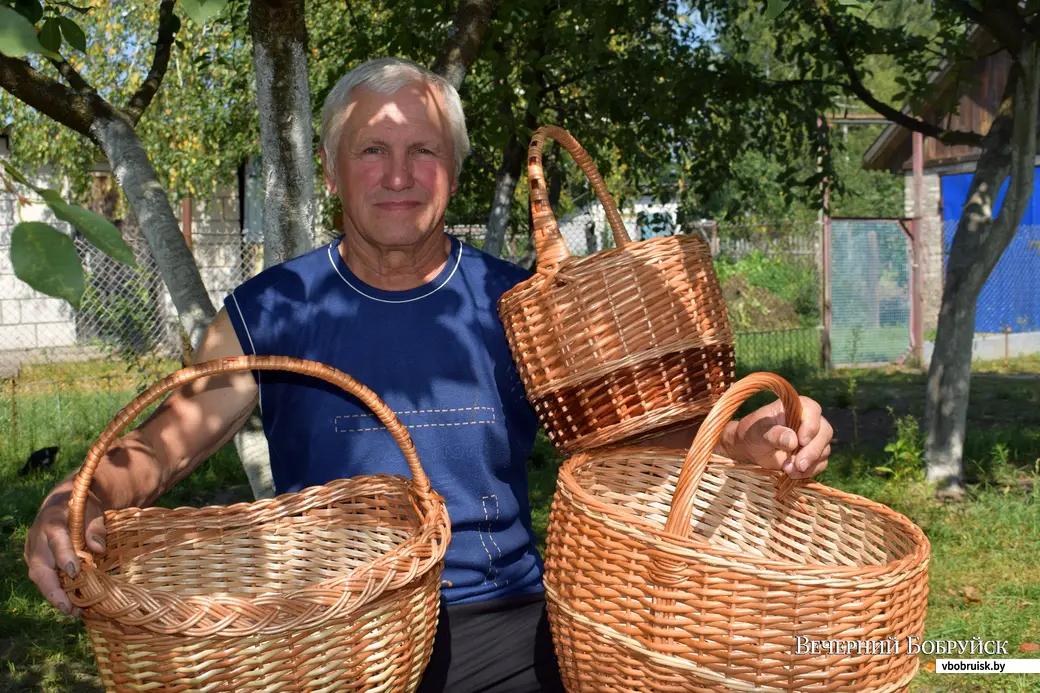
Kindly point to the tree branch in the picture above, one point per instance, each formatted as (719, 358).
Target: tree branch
(574, 78)
(168, 26)
(948, 137)
(465, 38)
(73, 109)
(74, 78)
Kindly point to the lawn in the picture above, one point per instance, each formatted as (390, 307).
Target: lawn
(985, 567)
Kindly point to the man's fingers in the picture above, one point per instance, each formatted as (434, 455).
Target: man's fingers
(61, 546)
(46, 580)
(808, 460)
(781, 438)
(97, 534)
(812, 415)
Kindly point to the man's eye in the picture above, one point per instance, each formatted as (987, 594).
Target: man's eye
(423, 150)
(372, 150)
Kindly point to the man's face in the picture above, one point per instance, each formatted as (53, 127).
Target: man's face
(394, 165)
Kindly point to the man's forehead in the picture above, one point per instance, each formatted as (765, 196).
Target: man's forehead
(414, 104)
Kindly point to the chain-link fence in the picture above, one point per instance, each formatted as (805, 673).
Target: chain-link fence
(870, 261)
(65, 373)
(1009, 300)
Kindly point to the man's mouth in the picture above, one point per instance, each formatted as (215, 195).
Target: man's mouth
(398, 205)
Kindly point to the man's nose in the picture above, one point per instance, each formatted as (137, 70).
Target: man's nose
(398, 175)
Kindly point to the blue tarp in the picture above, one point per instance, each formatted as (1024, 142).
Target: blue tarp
(1011, 295)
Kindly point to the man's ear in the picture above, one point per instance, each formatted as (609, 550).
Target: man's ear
(454, 186)
(330, 180)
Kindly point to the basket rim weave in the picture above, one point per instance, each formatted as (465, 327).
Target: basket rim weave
(162, 611)
(673, 542)
(681, 546)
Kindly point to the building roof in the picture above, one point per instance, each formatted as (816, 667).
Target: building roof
(887, 146)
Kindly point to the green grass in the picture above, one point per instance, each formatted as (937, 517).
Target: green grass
(985, 566)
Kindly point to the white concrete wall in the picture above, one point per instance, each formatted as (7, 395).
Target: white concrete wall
(994, 347)
(29, 319)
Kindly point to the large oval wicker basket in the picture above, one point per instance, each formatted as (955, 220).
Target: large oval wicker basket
(620, 344)
(333, 588)
(666, 573)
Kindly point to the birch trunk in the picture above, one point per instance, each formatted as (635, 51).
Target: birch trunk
(1009, 148)
(148, 200)
(506, 179)
(286, 136)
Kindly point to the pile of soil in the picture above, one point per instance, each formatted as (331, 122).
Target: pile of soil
(754, 309)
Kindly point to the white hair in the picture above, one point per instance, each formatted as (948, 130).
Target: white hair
(386, 76)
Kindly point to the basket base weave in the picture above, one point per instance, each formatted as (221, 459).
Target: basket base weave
(635, 608)
(381, 652)
(651, 672)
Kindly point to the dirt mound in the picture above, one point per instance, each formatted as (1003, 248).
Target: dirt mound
(754, 309)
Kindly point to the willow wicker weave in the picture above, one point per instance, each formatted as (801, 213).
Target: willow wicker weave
(669, 574)
(621, 344)
(333, 588)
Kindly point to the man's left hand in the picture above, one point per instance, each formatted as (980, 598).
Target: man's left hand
(763, 438)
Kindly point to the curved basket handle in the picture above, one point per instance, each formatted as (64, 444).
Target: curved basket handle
(549, 245)
(78, 500)
(708, 436)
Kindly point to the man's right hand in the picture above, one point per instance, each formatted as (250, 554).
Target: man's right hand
(189, 426)
(48, 548)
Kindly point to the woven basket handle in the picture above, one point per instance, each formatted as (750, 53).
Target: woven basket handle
(708, 436)
(78, 501)
(548, 242)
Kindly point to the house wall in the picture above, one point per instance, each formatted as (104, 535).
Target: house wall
(29, 320)
(34, 327)
(931, 228)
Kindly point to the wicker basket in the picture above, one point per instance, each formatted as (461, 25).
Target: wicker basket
(669, 574)
(623, 343)
(333, 588)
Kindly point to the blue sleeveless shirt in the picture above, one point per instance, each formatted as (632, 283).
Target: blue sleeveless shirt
(438, 356)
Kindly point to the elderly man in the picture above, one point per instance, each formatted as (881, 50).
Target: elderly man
(410, 312)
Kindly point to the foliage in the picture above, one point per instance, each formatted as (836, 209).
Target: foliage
(906, 451)
(45, 258)
(202, 123)
(796, 284)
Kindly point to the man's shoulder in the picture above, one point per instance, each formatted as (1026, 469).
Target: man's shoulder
(290, 279)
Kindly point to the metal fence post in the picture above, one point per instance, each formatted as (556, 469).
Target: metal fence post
(825, 296)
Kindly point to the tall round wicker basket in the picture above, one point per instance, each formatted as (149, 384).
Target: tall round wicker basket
(622, 343)
(333, 588)
(666, 573)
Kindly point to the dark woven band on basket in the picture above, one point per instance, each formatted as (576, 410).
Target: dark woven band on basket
(620, 343)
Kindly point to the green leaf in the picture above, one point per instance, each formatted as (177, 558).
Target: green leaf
(46, 259)
(97, 229)
(13, 172)
(74, 8)
(774, 8)
(17, 35)
(73, 34)
(50, 35)
(30, 9)
(201, 11)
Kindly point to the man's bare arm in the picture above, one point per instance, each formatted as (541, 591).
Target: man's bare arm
(190, 425)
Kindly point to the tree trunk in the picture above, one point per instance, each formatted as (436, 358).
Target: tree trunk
(506, 178)
(1008, 149)
(464, 41)
(283, 101)
(147, 198)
